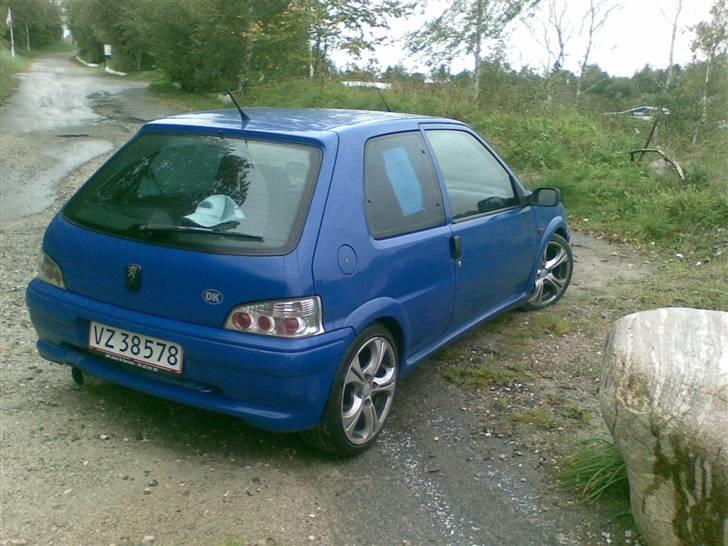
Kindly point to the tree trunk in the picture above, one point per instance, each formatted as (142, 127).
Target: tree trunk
(585, 60)
(27, 38)
(704, 101)
(248, 55)
(477, 49)
(668, 81)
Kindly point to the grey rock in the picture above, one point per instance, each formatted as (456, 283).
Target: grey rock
(664, 397)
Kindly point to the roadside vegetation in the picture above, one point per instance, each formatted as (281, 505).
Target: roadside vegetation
(37, 29)
(9, 66)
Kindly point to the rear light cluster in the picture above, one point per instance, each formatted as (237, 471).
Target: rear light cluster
(49, 271)
(290, 318)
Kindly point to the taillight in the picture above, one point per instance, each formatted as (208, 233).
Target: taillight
(49, 271)
(287, 318)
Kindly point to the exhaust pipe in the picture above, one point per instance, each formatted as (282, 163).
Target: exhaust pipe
(77, 376)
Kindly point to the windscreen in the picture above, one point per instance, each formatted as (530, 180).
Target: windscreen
(203, 192)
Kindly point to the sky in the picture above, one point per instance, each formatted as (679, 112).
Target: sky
(636, 33)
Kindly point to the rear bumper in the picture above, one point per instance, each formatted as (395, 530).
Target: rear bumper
(275, 384)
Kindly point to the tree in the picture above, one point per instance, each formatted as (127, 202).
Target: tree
(670, 64)
(594, 21)
(464, 27)
(36, 23)
(554, 34)
(349, 25)
(711, 39)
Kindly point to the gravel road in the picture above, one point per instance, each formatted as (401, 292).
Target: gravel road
(105, 465)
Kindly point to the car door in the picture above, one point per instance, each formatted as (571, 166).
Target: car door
(394, 255)
(493, 236)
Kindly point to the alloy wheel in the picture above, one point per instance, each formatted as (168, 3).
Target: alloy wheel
(368, 390)
(554, 274)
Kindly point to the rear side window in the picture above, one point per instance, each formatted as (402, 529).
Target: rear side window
(204, 192)
(402, 194)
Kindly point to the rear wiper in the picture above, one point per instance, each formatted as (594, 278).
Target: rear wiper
(196, 229)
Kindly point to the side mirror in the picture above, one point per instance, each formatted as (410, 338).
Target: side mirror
(544, 197)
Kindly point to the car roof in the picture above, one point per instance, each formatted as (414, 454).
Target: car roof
(299, 121)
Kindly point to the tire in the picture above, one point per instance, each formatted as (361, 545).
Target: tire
(361, 396)
(553, 275)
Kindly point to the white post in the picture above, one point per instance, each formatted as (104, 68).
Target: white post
(9, 22)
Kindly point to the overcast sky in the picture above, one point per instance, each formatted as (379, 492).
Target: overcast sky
(636, 34)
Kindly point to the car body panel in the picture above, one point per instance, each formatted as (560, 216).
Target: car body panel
(419, 266)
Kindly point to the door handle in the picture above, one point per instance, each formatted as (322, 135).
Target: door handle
(456, 246)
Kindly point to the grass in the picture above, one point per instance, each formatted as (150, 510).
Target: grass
(484, 374)
(686, 284)
(548, 322)
(595, 469)
(537, 417)
(577, 413)
(10, 66)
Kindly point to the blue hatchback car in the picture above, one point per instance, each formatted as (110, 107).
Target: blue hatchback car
(291, 267)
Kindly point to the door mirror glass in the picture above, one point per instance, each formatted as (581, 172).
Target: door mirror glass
(545, 197)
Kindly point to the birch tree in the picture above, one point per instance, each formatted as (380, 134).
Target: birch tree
(465, 27)
(594, 20)
(354, 26)
(711, 40)
(553, 31)
(671, 60)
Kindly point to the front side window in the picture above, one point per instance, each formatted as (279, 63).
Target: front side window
(401, 189)
(204, 192)
(476, 182)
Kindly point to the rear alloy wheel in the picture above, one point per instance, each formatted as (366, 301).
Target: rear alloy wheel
(361, 397)
(553, 275)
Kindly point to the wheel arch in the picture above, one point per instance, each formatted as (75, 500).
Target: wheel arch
(389, 313)
(394, 328)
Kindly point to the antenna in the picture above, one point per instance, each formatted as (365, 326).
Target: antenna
(379, 92)
(245, 118)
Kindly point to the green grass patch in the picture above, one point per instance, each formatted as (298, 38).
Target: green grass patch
(485, 374)
(10, 66)
(451, 353)
(595, 469)
(537, 417)
(549, 322)
(577, 413)
(680, 284)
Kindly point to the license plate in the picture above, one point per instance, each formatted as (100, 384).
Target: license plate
(137, 349)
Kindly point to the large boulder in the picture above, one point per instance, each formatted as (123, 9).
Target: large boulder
(664, 396)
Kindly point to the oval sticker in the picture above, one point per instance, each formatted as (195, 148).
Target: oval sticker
(212, 296)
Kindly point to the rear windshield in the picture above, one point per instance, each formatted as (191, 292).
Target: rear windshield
(210, 193)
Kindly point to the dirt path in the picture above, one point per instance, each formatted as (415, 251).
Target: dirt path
(456, 465)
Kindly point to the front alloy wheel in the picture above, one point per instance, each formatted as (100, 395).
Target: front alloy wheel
(553, 275)
(361, 396)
